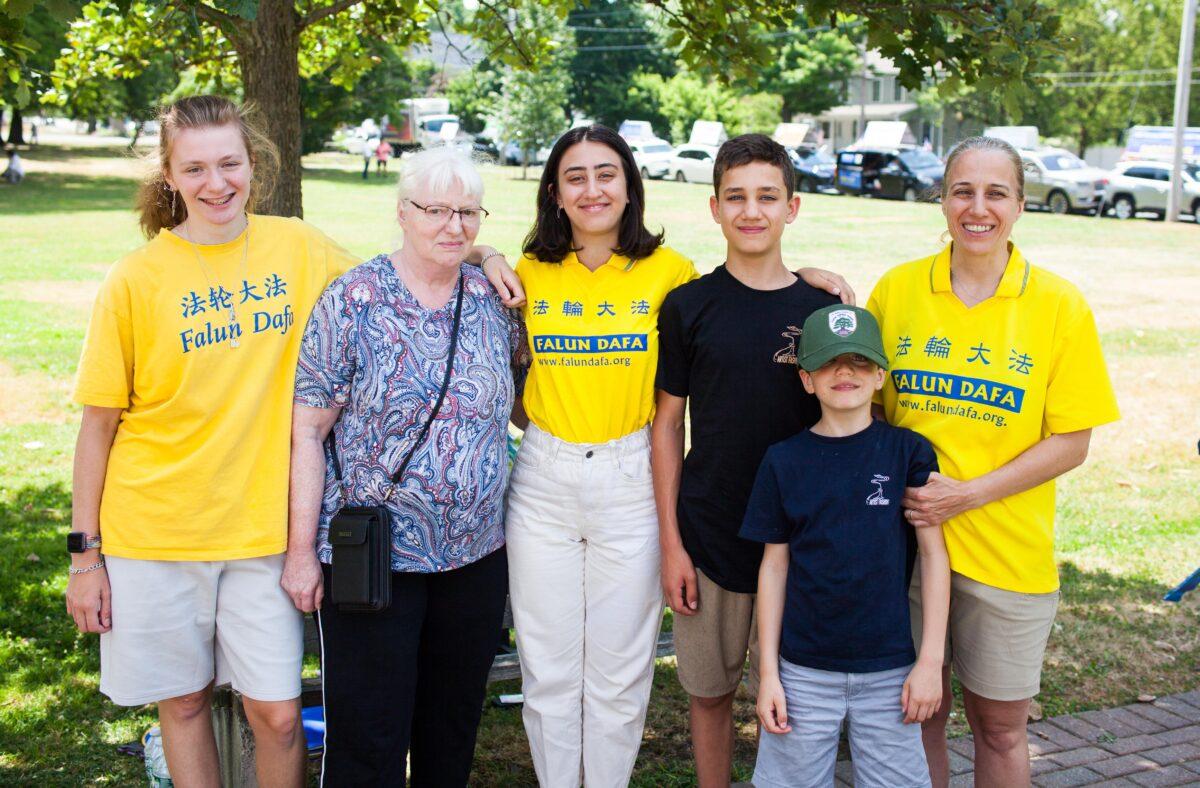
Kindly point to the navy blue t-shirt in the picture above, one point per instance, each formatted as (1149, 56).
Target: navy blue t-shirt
(836, 503)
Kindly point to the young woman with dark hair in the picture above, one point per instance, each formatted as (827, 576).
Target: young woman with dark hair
(582, 527)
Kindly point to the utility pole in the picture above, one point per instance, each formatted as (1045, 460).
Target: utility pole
(862, 90)
(1183, 84)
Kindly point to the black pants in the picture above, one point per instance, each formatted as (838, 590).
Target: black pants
(410, 680)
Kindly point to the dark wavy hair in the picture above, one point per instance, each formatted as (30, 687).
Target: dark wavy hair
(550, 238)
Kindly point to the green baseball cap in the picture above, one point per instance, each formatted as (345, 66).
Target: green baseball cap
(838, 329)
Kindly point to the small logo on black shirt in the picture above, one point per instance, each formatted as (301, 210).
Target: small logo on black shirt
(787, 353)
(876, 498)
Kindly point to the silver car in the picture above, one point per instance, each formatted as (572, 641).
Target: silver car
(1061, 181)
(1143, 186)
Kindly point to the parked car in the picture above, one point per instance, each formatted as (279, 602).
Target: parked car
(652, 156)
(1135, 186)
(904, 174)
(1061, 182)
(814, 168)
(692, 163)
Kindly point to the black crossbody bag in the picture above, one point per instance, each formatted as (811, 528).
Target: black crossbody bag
(361, 536)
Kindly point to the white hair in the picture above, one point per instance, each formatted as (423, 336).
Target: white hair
(437, 171)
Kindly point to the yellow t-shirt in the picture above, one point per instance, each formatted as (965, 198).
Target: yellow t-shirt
(594, 339)
(983, 385)
(199, 467)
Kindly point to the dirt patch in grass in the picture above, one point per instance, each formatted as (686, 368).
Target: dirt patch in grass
(32, 398)
(77, 294)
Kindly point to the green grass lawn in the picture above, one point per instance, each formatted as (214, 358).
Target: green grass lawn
(1129, 520)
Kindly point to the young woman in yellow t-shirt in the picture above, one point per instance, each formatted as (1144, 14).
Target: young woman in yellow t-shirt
(181, 463)
(582, 528)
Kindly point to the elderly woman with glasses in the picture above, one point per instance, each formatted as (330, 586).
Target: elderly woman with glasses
(408, 682)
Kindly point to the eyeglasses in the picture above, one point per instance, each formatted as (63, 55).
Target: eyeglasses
(441, 213)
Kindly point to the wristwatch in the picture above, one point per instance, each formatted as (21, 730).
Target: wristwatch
(79, 542)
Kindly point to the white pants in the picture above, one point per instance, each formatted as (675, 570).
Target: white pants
(583, 563)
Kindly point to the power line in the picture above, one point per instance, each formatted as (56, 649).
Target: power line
(1147, 84)
(1123, 72)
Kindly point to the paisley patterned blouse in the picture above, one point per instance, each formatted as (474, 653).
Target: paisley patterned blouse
(371, 349)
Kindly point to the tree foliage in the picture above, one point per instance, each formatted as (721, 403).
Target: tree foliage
(532, 110)
(684, 98)
(272, 44)
(809, 67)
(615, 42)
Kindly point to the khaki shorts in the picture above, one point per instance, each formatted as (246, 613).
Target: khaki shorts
(997, 638)
(711, 646)
(178, 625)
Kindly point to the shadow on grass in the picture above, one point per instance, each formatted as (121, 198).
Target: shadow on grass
(56, 192)
(55, 727)
(1114, 638)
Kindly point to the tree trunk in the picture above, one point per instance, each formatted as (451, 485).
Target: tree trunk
(268, 50)
(16, 127)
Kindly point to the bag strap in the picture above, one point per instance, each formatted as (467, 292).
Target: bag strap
(332, 445)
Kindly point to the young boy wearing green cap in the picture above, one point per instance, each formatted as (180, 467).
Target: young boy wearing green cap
(833, 620)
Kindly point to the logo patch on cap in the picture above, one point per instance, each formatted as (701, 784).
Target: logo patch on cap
(843, 322)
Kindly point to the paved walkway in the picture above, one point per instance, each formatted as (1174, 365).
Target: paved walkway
(1143, 744)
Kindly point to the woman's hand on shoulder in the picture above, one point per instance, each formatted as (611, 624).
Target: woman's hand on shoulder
(89, 601)
(500, 274)
(941, 498)
(302, 580)
(828, 281)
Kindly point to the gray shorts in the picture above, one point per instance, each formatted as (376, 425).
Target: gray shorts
(885, 752)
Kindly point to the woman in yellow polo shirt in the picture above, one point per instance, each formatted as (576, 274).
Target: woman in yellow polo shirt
(582, 528)
(997, 362)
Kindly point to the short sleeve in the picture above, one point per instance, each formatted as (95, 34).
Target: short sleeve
(674, 367)
(873, 306)
(327, 360)
(921, 461)
(765, 520)
(337, 260)
(1079, 395)
(687, 272)
(521, 357)
(105, 375)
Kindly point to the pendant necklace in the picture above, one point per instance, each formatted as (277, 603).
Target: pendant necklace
(235, 328)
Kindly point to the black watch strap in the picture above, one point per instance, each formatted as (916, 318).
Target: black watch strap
(79, 542)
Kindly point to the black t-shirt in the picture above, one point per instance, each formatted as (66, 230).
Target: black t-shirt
(731, 350)
(836, 503)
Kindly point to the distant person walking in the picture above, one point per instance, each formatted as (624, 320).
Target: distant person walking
(14, 173)
(368, 154)
(383, 152)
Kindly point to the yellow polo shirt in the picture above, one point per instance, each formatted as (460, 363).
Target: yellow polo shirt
(594, 339)
(198, 470)
(983, 385)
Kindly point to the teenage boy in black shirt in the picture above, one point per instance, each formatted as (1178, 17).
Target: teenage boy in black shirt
(833, 591)
(727, 343)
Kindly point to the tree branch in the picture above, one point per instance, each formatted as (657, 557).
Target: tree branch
(516, 45)
(318, 14)
(216, 17)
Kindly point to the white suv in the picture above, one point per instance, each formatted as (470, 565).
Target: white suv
(1144, 186)
(652, 156)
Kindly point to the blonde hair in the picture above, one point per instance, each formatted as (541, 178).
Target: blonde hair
(986, 144)
(157, 207)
